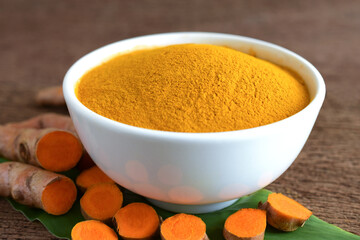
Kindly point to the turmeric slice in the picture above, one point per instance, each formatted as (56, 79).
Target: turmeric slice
(36, 187)
(284, 213)
(50, 96)
(137, 221)
(183, 226)
(91, 176)
(245, 224)
(101, 202)
(51, 149)
(92, 230)
(46, 120)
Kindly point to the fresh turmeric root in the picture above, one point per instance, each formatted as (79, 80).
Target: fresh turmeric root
(32, 186)
(46, 120)
(245, 224)
(284, 213)
(137, 221)
(183, 226)
(91, 176)
(101, 202)
(51, 149)
(51, 96)
(92, 230)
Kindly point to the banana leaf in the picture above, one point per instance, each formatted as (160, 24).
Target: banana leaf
(314, 228)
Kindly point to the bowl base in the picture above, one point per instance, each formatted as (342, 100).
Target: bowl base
(193, 209)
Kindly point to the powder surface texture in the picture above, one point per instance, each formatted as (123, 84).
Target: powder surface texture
(192, 88)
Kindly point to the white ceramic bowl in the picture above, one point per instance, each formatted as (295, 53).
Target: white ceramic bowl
(194, 172)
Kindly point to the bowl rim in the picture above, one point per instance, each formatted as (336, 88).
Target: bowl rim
(71, 99)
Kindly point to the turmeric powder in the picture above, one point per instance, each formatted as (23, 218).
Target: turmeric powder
(192, 88)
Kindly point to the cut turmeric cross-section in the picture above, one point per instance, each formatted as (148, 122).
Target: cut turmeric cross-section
(49, 148)
(92, 230)
(285, 213)
(245, 224)
(36, 187)
(91, 176)
(183, 226)
(137, 221)
(101, 202)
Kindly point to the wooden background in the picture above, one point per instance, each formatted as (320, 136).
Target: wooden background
(40, 39)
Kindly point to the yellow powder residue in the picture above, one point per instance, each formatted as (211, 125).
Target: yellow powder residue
(192, 88)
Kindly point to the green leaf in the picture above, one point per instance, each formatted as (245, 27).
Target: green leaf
(314, 228)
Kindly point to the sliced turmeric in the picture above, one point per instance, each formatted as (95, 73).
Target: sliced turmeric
(91, 176)
(101, 202)
(245, 224)
(32, 186)
(49, 148)
(284, 213)
(92, 230)
(183, 226)
(51, 96)
(137, 221)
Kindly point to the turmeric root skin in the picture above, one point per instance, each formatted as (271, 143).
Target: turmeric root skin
(52, 149)
(92, 230)
(51, 96)
(280, 219)
(38, 188)
(46, 120)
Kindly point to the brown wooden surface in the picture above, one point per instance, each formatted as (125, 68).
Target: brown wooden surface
(40, 39)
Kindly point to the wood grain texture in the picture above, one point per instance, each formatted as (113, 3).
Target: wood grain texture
(40, 40)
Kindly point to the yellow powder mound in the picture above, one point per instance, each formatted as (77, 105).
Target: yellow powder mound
(192, 88)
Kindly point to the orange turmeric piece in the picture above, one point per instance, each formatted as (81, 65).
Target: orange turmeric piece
(92, 230)
(101, 202)
(35, 187)
(49, 148)
(245, 224)
(91, 176)
(51, 96)
(137, 221)
(183, 226)
(284, 213)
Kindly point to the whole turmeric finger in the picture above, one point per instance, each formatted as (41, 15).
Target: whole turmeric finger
(284, 213)
(91, 176)
(137, 221)
(50, 96)
(35, 187)
(51, 149)
(92, 230)
(101, 202)
(245, 224)
(183, 226)
(46, 120)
